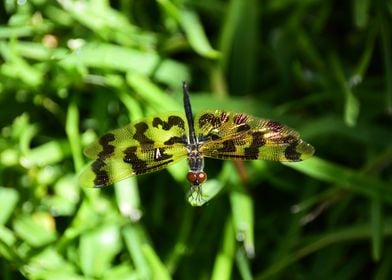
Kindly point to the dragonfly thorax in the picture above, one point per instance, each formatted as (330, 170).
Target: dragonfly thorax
(195, 158)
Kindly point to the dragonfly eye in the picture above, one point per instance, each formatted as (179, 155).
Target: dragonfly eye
(201, 177)
(196, 178)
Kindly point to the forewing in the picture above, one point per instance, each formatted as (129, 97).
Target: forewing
(145, 146)
(231, 135)
(165, 129)
(132, 161)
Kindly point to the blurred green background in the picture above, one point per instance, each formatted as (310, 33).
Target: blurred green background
(72, 70)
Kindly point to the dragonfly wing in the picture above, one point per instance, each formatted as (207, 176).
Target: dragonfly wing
(132, 161)
(232, 135)
(165, 128)
(141, 147)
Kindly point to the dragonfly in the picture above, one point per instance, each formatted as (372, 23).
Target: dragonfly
(155, 142)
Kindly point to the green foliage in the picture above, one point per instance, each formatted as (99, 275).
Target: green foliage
(71, 70)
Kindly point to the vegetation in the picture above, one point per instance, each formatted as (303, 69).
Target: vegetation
(72, 70)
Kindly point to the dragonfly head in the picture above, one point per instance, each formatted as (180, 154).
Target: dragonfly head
(196, 178)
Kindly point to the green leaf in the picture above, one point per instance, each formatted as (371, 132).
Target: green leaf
(346, 178)
(35, 230)
(98, 248)
(134, 241)
(195, 34)
(158, 269)
(225, 257)
(48, 153)
(128, 199)
(8, 201)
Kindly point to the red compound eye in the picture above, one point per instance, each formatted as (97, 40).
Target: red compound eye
(201, 177)
(192, 177)
(196, 178)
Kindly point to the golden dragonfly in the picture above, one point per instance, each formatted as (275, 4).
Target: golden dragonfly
(154, 143)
